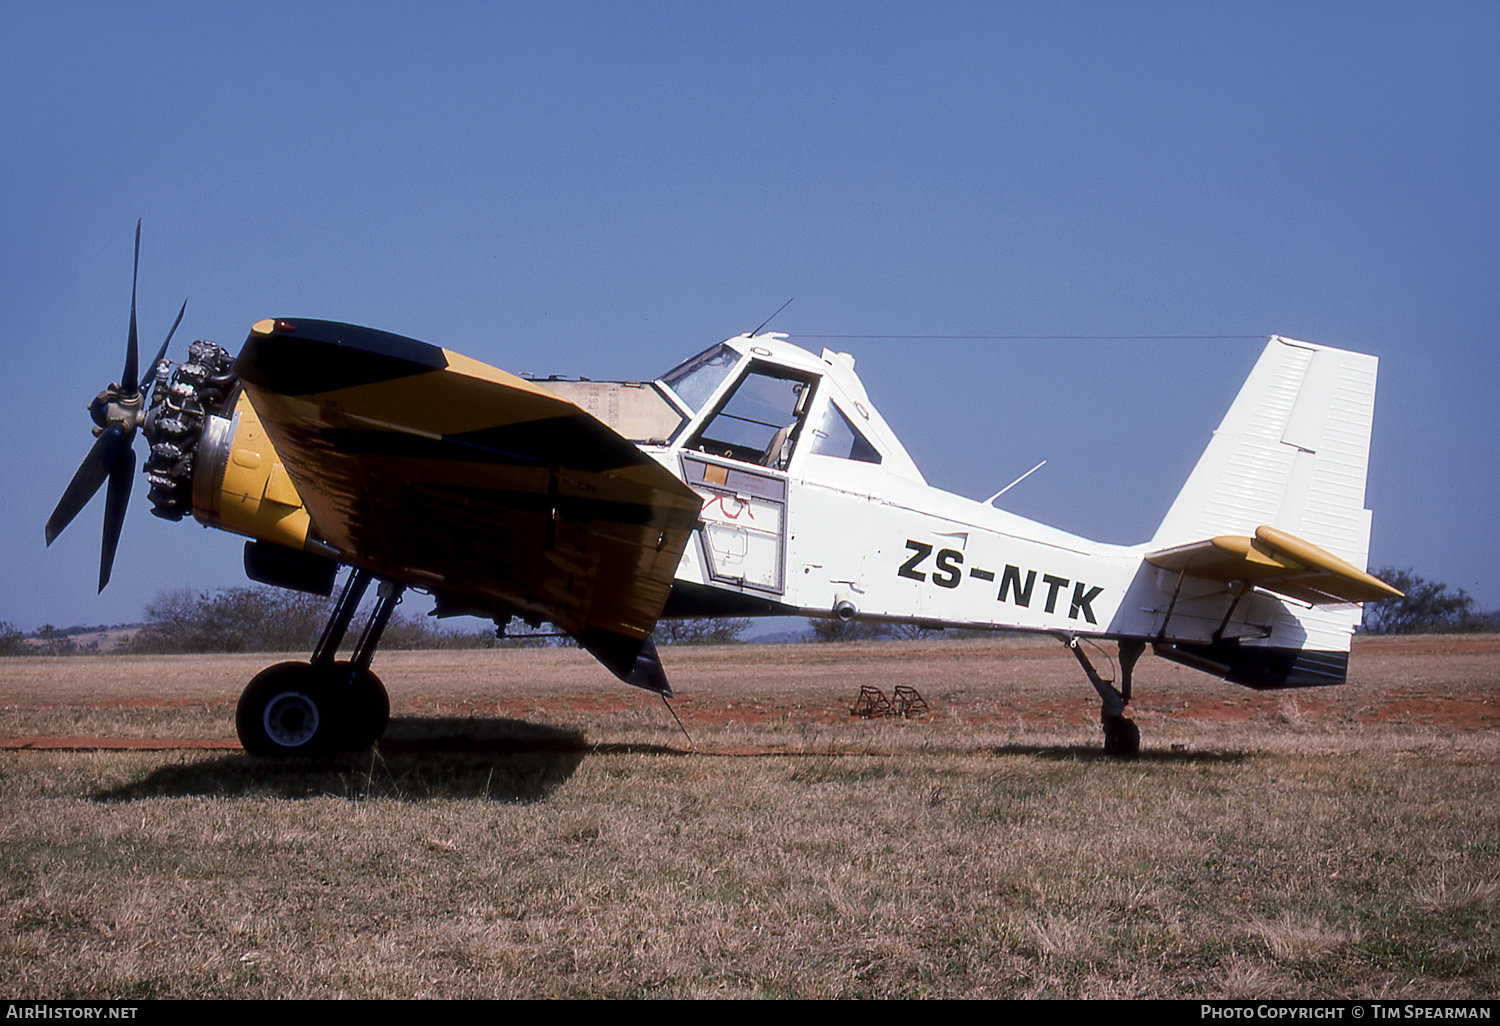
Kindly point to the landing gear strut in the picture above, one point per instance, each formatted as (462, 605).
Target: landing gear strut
(324, 705)
(1122, 738)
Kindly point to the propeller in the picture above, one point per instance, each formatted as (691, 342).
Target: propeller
(117, 411)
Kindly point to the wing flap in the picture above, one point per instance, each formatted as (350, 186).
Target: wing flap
(1276, 561)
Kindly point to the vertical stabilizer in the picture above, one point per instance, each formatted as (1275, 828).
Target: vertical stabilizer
(1291, 453)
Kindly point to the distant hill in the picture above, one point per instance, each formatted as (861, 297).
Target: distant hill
(81, 639)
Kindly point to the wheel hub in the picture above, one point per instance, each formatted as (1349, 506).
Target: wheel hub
(291, 719)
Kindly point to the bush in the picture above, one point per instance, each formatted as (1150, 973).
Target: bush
(10, 639)
(834, 629)
(272, 620)
(716, 630)
(231, 620)
(407, 631)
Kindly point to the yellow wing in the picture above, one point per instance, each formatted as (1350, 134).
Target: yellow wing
(427, 467)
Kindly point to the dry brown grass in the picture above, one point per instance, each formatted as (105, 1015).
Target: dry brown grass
(534, 829)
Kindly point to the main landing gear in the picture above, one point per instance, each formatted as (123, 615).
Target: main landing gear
(325, 705)
(1122, 738)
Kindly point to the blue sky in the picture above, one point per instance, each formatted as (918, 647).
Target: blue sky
(604, 189)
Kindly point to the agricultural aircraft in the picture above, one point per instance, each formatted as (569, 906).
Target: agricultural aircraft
(755, 479)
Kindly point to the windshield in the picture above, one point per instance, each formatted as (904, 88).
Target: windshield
(693, 382)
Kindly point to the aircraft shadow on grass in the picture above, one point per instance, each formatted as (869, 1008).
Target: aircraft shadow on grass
(420, 759)
(1090, 753)
(504, 760)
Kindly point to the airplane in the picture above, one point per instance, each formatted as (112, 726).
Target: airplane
(755, 479)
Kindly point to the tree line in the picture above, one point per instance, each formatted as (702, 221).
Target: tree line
(262, 619)
(271, 620)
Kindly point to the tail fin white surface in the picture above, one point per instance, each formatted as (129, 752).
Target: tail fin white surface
(1291, 456)
(1291, 453)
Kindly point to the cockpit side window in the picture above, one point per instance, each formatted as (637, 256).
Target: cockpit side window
(836, 435)
(694, 382)
(761, 419)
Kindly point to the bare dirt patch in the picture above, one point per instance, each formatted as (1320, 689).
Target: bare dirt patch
(1450, 682)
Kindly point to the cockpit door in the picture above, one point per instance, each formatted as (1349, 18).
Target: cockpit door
(736, 460)
(743, 540)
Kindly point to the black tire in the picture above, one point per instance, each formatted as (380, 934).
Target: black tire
(287, 711)
(366, 708)
(1122, 738)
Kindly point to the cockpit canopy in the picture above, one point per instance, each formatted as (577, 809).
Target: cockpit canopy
(694, 383)
(762, 400)
(757, 400)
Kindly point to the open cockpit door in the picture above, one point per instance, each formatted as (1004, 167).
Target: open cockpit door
(743, 538)
(735, 458)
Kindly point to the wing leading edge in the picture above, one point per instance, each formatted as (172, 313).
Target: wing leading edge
(424, 466)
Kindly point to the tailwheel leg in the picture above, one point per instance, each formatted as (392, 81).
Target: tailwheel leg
(325, 705)
(1122, 738)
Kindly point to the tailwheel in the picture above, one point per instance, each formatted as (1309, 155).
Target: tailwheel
(1122, 738)
(287, 710)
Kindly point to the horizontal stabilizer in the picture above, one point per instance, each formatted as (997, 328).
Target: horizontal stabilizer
(1279, 562)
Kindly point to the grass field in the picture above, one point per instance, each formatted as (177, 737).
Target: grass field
(532, 828)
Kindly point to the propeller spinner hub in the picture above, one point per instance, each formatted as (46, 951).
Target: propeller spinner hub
(112, 409)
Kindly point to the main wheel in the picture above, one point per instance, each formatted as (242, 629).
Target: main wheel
(366, 707)
(287, 710)
(1122, 738)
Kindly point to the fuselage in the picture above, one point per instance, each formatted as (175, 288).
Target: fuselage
(812, 506)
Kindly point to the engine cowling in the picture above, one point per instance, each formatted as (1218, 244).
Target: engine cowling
(211, 456)
(240, 484)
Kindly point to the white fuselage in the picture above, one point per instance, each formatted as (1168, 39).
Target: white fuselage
(810, 502)
(849, 526)
(884, 548)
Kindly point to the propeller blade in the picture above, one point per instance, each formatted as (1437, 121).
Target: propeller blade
(115, 502)
(150, 375)
(131, 372)
(96, 466)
